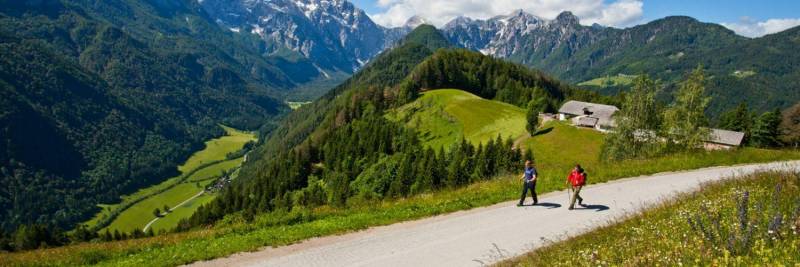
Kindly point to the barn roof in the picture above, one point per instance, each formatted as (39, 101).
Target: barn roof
(725, 137)
(603, 113)
(587, 121)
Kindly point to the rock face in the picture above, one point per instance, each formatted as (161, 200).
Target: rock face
(520, 32)
(333, 34)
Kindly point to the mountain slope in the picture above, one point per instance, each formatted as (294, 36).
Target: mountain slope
(666, 49)
(333, 38)
(102, 98)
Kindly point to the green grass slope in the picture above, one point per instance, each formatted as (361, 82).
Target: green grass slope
(444, 116)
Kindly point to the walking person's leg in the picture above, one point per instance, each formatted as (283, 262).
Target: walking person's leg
(580, 199)
(575, 191)
(524, 193)
(533, 193)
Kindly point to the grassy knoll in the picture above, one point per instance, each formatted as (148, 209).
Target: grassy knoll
(669, 234)
(445, 116)
(136, 209)
(619, 80)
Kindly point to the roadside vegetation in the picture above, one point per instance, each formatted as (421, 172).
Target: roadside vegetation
(749, 221)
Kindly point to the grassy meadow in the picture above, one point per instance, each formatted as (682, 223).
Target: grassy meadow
(445, 116)
(556, 147)
(750, 221)
(136, 210)
(618, 80)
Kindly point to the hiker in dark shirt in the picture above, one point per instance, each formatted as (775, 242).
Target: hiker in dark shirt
(529, 183)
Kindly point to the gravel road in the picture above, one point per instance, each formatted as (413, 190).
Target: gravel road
(486, 235)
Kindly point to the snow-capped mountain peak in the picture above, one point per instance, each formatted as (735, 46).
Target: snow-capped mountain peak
(333, 34)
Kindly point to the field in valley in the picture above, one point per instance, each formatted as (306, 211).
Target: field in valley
(200, 170)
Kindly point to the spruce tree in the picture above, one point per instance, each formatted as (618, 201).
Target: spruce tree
(765, 131)
(532, 117)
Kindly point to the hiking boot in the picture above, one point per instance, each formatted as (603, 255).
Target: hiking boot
(570, 208)
(580, 202)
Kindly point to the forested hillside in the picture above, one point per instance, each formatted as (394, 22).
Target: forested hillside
(100, 98)
(342, 148)
(759, 72)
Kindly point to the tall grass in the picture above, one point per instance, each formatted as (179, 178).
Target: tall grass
(752, 221)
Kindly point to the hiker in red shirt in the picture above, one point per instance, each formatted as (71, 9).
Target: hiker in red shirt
(576, 179)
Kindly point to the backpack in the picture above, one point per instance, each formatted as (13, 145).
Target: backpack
(577, 179)
(581, 179)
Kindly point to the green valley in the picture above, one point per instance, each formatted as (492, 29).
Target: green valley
(202, 169)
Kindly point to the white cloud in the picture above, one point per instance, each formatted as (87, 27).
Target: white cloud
(619, 13)
(751, 28)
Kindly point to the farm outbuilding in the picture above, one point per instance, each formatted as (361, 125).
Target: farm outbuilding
(585, 114)
(720, 139)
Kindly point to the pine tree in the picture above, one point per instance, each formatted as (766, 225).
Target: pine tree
(738, 119)
(765, 131)
(532, 117)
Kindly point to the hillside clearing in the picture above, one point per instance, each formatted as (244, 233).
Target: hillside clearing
(445, 116)
(618, 80)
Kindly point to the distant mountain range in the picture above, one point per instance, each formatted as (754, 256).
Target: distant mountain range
(338, 38)
(757, 71)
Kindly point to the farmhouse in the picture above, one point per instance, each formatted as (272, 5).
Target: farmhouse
(591, 115)
(720, 139)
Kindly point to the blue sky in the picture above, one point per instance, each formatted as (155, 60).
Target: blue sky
(749, 18)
